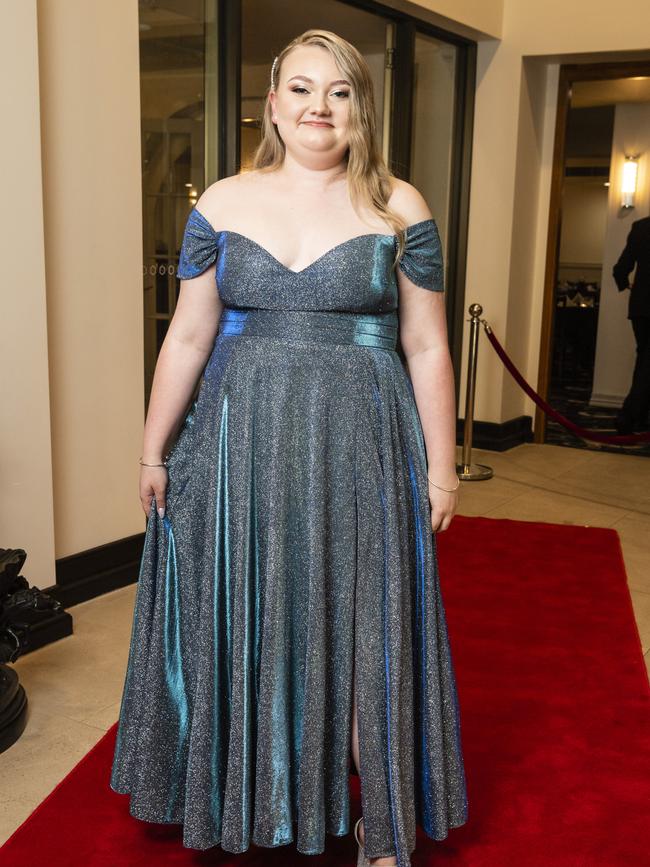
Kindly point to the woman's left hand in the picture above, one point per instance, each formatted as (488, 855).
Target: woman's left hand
(443, 507)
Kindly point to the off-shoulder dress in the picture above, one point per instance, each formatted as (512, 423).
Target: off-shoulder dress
(296, 553)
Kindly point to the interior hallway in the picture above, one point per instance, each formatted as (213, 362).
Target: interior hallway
(74, 685)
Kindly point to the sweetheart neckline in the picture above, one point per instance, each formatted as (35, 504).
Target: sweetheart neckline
(321, 257)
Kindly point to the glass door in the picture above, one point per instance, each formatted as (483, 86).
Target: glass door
(174, 86)
(432, 135)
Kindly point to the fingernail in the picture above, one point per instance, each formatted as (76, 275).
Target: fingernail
(161, 511)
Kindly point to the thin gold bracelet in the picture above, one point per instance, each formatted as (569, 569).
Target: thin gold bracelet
(151, 465)
(448, 490)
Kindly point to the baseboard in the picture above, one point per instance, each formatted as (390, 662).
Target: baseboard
(498, 436)
(609, 401)
(84, 576)
(99, 570)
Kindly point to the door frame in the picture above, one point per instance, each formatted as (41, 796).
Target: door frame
(569, 73)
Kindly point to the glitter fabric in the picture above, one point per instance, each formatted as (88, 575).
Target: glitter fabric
(296, 553)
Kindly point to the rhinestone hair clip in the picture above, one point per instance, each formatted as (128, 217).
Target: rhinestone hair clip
(275, 63)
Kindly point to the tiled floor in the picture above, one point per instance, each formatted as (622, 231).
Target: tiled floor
(74, 685)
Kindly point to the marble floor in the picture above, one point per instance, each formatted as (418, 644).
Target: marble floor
(69, 714)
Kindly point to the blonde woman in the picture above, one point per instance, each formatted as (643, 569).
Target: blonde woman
(288, 609)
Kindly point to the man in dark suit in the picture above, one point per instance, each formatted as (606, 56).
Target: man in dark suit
(634, 412)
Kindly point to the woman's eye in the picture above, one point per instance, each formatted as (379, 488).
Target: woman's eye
(342, 93)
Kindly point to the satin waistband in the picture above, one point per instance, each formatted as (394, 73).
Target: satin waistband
(365, 329)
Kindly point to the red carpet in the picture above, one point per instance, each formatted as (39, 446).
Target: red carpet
(555, 711)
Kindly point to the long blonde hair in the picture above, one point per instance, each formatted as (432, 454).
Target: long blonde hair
(369, 178)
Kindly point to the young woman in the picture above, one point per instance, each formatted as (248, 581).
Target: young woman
(288, 608)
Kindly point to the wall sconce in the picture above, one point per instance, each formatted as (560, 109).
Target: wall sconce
(628, 183)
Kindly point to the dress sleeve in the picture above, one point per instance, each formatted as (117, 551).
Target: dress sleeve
(422, 259)
(199, 248)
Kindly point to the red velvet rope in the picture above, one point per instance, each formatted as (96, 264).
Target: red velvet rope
(615, 439)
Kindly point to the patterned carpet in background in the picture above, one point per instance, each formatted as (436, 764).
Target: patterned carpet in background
(573, 402)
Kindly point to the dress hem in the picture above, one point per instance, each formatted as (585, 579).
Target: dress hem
(138, 814)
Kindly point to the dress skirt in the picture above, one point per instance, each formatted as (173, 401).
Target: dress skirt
(296, 553)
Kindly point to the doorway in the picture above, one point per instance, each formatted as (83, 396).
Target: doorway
(588, 348)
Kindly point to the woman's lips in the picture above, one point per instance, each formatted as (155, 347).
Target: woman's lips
(316, 123)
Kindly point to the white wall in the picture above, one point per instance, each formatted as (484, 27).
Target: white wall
(474, 18)
(90, 123)
(26, 493)
(584, 218)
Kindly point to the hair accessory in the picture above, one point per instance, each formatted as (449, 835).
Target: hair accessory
(275, 63)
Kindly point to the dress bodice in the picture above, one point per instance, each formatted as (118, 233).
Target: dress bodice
(355, 275)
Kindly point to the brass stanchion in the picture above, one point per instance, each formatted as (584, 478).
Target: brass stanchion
(467, 471)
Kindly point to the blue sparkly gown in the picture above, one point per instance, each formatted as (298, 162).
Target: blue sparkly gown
(295, 553)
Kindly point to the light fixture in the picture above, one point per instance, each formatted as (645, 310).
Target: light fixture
(628, 182)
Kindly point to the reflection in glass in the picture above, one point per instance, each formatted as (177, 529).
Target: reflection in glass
(433, 126)
(172, 96)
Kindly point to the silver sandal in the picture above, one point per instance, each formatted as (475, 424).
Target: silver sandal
(362, 861)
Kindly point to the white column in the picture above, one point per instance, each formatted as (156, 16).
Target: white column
(92, 181)
(26, 492)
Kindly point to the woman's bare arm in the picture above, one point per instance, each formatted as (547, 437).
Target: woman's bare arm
(423, 336)
(182, 358)
(424, 340)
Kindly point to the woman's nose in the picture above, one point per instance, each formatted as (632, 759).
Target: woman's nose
(319, 103)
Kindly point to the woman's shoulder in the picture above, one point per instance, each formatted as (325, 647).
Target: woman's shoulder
(225, 195)
(407, 201)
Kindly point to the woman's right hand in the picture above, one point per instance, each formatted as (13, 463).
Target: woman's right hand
(153, 482)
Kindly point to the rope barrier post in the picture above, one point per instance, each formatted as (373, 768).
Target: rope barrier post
(466, 470)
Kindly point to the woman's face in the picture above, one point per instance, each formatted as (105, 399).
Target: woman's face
(311, 103)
